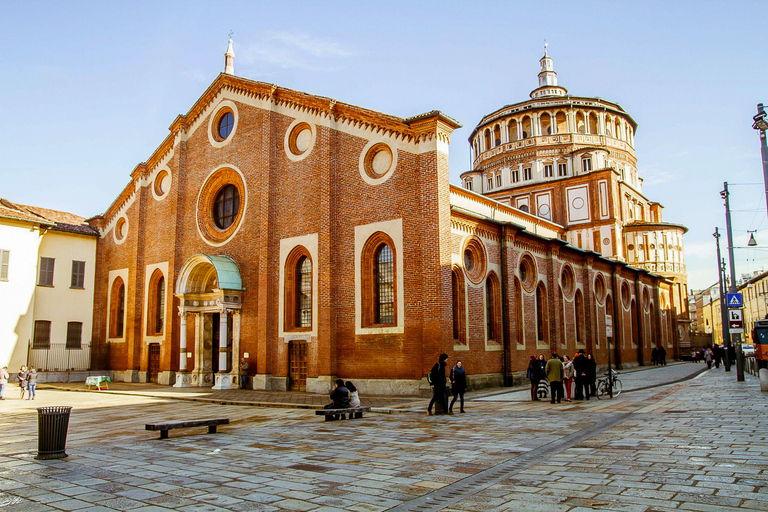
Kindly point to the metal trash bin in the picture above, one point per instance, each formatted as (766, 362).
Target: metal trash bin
(52, 425)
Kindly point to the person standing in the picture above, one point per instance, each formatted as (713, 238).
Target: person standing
(243, 373)
(708, 358)
(533, 375)
(568, 373)
(3, 381)
(662, 356)
(655, 356)
(31, 382)
(591, 375)
(718, 352)
(554, 371)
(438, 380)
(22, 380)
(580, 367)
(458, 378)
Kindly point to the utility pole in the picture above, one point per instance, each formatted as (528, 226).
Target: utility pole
(736, 338)
(723, 305)
(761, 125)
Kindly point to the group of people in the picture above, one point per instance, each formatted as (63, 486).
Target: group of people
(562, 373)
(709, 355)
(659, 356)
(27, 381)
(439, 382)
(344, 395)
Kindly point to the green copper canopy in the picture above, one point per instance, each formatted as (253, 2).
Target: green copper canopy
(227, 272)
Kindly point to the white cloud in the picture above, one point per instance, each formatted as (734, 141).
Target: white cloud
(294, 50)
(655, 176)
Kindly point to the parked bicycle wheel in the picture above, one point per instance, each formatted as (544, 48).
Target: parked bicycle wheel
(602, 389)
(616, 387)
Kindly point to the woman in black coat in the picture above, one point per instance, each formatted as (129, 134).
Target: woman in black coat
(458, 385)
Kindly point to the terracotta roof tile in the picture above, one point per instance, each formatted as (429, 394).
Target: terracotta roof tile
(59, 221)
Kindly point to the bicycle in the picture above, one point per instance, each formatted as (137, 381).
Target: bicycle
(609, 381)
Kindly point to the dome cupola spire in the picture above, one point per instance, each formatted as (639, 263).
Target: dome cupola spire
(229, 58)
(548, 78)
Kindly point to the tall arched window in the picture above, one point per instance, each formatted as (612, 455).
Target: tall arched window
(541, 313)
(117, 308)
(579, 305)
(459, 306)
(156, 305)
(519, 311)
(513, 130)
(298, 290)
(379, 281)
(492, 309)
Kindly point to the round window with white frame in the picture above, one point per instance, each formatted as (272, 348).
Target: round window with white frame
(161, 185)
(222, 124)
(299, 140)
(120, 231)
(377, 162)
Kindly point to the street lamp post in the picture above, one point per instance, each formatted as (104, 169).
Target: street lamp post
(761, 125)
(723, 310)
(736, 338)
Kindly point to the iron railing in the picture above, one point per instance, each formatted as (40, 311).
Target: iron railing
(57, 357)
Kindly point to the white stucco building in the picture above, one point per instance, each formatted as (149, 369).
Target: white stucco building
(47, 268)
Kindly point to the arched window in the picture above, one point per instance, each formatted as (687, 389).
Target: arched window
(562, 126)
(513, 130)
(527, 132)
(379, 281)
(518, 311)
(546, 124)
(156, 304)
(541, 313)
(459, 307)
(496, 135)
(593, 123)
(487, 140)
(579, 305)
(492, 309)
(117, 308)
(298, 291)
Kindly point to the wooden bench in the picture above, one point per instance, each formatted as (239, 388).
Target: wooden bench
(165, 427)
(341, 414)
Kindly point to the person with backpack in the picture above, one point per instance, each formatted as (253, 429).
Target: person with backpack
(436, 378)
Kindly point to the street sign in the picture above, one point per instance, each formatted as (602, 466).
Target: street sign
(608, 326)
(735, 320)
(734, 300)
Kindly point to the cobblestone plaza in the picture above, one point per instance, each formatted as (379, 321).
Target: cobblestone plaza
(698, 443)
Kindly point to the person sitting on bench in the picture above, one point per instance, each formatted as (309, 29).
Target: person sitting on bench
(340, 396)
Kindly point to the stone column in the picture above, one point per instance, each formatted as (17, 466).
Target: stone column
(183, 378)
(223, 378)
(235, 370)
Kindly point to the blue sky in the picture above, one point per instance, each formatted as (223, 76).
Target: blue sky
(89, 89)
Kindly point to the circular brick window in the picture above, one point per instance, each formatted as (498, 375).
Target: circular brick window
(567, 281)
(377, 162)
(222, 124)
(121, 230)
(221, 205)
(600, 288)
(527, 272)
(474, 260)
(299, 140)
(162, 184)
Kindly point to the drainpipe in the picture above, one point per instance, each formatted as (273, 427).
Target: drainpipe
(505, 305)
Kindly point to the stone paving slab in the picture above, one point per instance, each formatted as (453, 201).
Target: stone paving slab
(701, 444)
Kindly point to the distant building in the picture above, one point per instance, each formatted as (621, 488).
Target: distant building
(47, 271)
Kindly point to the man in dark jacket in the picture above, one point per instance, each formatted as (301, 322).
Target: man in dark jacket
(580, 366)
(439, 389)
(340, 396)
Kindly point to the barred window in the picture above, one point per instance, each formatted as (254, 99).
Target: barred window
(42, 334)
(78, 274)
(116, 308)
(46, 272)
(226, 206)
(74, 334)
(384, 295)
(156, 313)
(304, 292)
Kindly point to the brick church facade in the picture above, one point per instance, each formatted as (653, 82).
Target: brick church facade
(315, 240)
